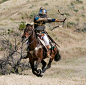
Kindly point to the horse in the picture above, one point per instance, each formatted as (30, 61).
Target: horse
(37, 52)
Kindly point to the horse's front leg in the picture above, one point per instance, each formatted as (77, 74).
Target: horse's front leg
(36, 65)
(32, 66)
(51, 59)
(34, 71)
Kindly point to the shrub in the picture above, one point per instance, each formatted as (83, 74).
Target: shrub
(1, 49)
(82, 7)
(72, 4)
(76, 10)
(46, 4)
(78, 1)
(67, 14)
(8, 31)
(3, 1)
(70, 24)
(84, 30)
(83, 15)
(81, 2)
(22, 26)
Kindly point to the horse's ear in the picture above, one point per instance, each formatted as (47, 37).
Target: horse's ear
(29, 25)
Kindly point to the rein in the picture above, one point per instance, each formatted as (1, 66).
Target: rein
(32, 41)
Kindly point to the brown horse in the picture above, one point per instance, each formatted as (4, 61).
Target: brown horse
(37, 52)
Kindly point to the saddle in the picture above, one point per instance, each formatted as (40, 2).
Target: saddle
(51, 44)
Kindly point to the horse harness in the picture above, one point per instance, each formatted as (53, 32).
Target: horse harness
(36, 48)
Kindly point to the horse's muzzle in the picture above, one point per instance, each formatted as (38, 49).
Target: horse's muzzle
(23, 37)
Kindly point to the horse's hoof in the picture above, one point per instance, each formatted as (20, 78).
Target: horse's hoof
(43, 70)
(40, 75)
(39, 71)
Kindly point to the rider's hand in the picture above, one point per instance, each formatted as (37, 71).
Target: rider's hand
(64, 19)
(45, 19)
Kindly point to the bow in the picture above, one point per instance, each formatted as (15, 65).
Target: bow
(63, 21)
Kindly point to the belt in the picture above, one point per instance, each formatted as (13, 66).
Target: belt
(39, 24)
(39, 31)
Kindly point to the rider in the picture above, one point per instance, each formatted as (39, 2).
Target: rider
(39, 25)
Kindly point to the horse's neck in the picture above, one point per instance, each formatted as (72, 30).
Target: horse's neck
(32, 41)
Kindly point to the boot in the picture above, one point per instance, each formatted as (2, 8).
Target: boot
(48, 51)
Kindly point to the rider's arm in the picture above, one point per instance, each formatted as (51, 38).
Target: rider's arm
(48, 19)
(40, 19)
(55, 20)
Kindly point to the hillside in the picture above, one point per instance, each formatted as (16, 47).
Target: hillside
(71, 37)
(70, 70)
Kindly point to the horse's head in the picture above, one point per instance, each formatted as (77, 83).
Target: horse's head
(27, 31)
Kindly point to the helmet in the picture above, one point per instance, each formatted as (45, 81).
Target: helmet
(42, 11)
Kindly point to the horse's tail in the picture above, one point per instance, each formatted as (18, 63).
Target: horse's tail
(57, 56)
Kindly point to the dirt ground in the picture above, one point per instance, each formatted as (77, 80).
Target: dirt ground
(65, 72)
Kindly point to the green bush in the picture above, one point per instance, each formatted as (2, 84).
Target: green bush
(67, 14)
(84, 30)
(81, 2)
(3, 1)
(78, 1)
(83, 15)
(76, 10)
(46, 4)
(82, 7)
(70, 24)
(1, 49)
(22, 26)
(8, 30)
(72, 4)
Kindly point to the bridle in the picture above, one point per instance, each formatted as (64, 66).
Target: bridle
(32, 41)
(29, 36)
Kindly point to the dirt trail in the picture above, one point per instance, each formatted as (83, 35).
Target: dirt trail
(65, 72)
(32, 80)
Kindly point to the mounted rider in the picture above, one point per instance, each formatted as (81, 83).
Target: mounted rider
(39, 25)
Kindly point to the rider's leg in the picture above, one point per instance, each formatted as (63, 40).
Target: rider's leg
(46, 40)
(48, 51)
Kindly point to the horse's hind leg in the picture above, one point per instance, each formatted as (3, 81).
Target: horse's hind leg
(49, 64)
(43, 66)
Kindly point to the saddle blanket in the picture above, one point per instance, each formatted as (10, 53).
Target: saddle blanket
(50, 43)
